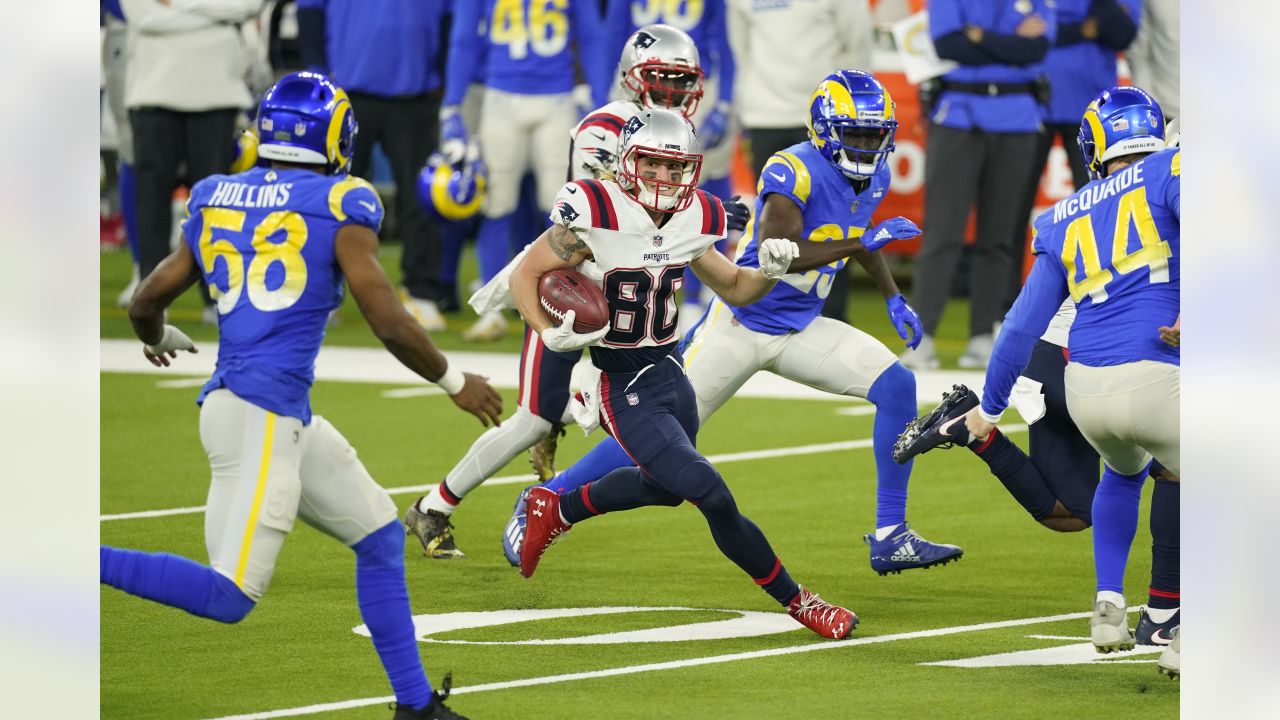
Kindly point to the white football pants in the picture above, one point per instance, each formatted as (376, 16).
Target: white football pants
(1128, 412)
(519, 132)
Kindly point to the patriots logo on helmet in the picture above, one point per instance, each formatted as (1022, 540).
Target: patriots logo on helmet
(632, 127)
(567, 213)
(644, 40)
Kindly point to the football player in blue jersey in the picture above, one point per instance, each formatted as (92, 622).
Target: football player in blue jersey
(706, 23)
(821, 193)
(531, 51)
(1113, 248)
(275, 244)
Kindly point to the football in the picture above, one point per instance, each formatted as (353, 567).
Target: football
(563, 290)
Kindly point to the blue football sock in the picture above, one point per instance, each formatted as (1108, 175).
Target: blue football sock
(384, 604)
(174, 581)
(129, 207)
(599, 461)
(894, 395)
(1115, 522)
(492, 246)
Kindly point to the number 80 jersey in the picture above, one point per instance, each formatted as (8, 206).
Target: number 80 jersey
(264, 241)
(640, 265)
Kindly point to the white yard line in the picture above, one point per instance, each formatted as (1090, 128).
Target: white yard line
(527, 478)
(669, 665)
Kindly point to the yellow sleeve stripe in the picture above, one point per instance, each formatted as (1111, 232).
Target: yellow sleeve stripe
(264, 466)
(1175, 167)
(340, 190)
(803, 180)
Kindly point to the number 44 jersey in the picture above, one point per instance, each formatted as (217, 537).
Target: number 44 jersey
(264, 241)
(1118, 243)
(642, 265)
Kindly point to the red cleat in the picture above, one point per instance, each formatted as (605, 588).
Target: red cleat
(821, 616)
(544, 526)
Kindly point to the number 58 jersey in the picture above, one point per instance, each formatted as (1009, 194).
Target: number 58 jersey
(1117, 240)
(264, 241)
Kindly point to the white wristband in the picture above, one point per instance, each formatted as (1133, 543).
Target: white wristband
(452, 380)
(993, 419)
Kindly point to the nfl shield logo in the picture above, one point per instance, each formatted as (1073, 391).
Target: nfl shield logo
(657, 241)
(854, 207)
(633, 399)
(300, 129)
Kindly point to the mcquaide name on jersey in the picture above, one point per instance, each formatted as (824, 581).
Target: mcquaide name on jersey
(1091, 195)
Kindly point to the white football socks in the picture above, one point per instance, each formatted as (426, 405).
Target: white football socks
(1114, 598)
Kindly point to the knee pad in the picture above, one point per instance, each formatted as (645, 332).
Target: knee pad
(383, 547)
(226, 602)
(894, 388)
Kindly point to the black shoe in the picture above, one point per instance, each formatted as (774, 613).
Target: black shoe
(434, 530)
(435, 710)
(927, 431)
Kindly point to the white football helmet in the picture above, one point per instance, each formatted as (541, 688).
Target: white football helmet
(660, 67)
(652, 142)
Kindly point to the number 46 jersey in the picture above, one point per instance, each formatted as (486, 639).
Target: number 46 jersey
(264, 241)
(641, 264)
(1117, 241)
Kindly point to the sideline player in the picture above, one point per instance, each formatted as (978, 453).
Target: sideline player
(659, 67)
(642, 231)
(275, 244)
(1113, 247)
(823, 191)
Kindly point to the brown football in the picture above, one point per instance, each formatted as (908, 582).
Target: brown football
(563, 290)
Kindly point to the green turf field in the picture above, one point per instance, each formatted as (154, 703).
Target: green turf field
(298, 648)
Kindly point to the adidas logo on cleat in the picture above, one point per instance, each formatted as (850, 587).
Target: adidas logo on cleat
(906, 553)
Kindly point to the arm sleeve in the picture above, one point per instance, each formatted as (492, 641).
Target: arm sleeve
(592, 46)
(465, 51)
(956, 46)
(1117, 25)
(1070, 34)
(353, 200)
(1014, 50)
(312, 40)
(1036, 305)
(721, 50)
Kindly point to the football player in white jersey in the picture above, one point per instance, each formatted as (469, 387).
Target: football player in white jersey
(642, 230)
(659, 67)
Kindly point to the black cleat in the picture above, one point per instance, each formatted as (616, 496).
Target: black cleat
(435, 531)
(927, 431)
(435, 710)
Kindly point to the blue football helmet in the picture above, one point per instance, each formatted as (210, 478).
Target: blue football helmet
(453, 191)
(1121, 121)
(851, 122)
(305, 118)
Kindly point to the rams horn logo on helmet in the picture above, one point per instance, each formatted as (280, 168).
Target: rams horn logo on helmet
(644, 40)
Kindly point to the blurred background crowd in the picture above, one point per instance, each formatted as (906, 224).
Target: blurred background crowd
(989, 98)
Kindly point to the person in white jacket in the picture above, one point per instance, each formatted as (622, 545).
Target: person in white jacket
(186, 83)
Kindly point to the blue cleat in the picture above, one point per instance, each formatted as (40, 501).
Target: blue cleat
(1150, 632)
(905, 550)
(513, 533)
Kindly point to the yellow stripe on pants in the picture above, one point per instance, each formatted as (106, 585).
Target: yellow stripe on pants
(256, 508)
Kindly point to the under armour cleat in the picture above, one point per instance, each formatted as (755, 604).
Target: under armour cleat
(542, 456)
(435, 531)
(544, 526)
(513, 533)
(1170, 661)
(435, 710)
(1150, 632)
(1109, 628)
(903, 549)
(939, 428)
(820, 616)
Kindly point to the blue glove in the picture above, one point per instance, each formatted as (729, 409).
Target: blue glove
(452, 127)
(736, 213)
(903, 317)
(895, 228)
(714, 126)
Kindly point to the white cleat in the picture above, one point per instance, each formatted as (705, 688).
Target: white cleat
(924, 357)
(977, 353)
(491, 326)
(1109, 628)
(424, 311)
(1170, 662)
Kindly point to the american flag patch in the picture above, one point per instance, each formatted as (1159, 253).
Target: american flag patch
(1120, 124)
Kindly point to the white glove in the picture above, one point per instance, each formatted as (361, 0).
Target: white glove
(564, 339)
(776, 255)
(170, 343)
